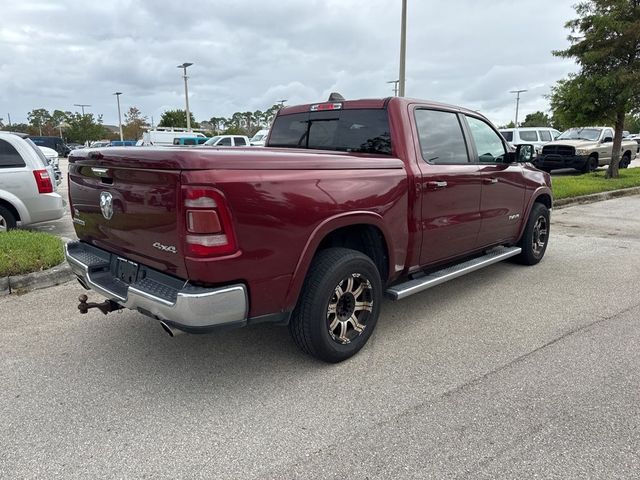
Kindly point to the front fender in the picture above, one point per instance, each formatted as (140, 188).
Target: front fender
(320, 233)
(537, 193)
(16, 203)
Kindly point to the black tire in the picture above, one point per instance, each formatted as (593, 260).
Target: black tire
(591, 165)
(535, 238)
(312, 318)
(7, 219)
(625, 161)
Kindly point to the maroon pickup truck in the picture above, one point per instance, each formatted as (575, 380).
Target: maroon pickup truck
(350, 200)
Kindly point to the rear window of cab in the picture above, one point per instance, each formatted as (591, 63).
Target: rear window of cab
(360, 131)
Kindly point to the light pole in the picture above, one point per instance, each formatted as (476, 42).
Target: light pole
(517, 92)
(403, 47)
(82, 105)
(281, 102)
(117, 94)
(395, 86)
(186, 92)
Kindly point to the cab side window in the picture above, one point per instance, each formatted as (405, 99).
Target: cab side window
(9, 156)
(544, 135)
(488, 143)
(441, 137)
(225, 142)
(239, 141)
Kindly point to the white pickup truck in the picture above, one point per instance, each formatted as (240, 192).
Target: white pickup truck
(584, 149)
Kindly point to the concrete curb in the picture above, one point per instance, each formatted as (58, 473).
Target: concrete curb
(36, 280)
(595, 197)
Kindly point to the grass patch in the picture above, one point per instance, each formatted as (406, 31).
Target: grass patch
(574, 186)
(22, 251)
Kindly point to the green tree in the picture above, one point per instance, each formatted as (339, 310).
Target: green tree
(605, 42)
(176, 118)
(536, 119)
(632, 123)
(83, 128)
(134, 124)
(509, 125)
(40, 122)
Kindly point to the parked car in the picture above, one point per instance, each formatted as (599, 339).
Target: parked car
(190, 140)
(27, 189)
(56, 143)
(166, 135)
(122, 143)
(100, 144)
(585, 149)
(228, 141)
(311, 233)
(259, 138)
(536, 136)
(52, 158)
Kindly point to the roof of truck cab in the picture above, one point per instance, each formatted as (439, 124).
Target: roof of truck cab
(376, 103)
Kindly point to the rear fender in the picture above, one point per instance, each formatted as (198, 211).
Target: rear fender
(320, 232)
(15, 202)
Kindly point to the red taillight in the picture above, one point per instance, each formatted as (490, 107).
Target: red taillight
(43, 181)
(209, 230)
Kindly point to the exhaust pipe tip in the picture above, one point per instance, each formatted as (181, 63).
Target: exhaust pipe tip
(172, 332)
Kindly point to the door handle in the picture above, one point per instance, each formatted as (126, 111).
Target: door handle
(436, 185)
(491, 181)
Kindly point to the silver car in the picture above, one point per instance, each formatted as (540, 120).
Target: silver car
(27, 184)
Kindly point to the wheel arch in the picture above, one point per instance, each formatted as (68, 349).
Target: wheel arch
(542, 195)
(361, 231)
(15, 206)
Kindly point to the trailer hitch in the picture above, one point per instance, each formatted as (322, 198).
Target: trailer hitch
(105, 307)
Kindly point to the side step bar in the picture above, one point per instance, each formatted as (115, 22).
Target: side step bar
(495, 255)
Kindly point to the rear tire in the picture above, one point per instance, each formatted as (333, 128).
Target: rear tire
(535, 238)
(625, 161)
(339, 305)
(7, 219)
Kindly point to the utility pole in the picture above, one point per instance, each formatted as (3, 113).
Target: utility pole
(117, 94)
(9, 117)
(517, 92)
(395, 86)
(186, 92)
(81, 105)
(403, 47)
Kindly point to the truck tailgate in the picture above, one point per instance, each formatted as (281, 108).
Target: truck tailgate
(132, 212)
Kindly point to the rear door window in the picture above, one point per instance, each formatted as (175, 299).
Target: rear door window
(528, 135)
(441, 137)
(239, 141)
(545, 136)
(358, 130)
(9, 156)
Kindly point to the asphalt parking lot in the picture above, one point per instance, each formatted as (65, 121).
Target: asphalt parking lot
(510, 372)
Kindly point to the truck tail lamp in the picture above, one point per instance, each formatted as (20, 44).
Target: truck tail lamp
(209, 230)
(43, 181)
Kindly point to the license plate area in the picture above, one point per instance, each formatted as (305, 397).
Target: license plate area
(126, 270)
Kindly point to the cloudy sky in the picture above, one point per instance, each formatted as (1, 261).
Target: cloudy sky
(247, 54)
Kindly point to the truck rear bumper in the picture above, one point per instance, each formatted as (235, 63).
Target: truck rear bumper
(153, 293)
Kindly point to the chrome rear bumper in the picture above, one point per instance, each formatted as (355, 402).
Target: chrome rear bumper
(158, 295)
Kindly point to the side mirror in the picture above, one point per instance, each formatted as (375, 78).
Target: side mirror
(523, 153)
(607, 140)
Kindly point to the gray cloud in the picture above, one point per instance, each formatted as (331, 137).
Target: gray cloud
(247, 55)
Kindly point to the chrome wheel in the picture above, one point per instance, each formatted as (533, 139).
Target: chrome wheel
(540, 235)
(349, 308)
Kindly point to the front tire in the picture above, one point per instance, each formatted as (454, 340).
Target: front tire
(7, 219)
(625, 161)
(535, 238)
(338, 306)
(591, 165)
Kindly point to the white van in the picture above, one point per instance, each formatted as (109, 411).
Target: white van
(165, 135)
(536, 136)
(259, 138)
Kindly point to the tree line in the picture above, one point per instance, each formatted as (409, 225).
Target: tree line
(75, 127)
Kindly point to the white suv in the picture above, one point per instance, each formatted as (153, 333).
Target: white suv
(27, 184)
(228, 141)
(536, 136)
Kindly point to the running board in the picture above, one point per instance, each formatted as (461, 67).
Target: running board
(495, 255)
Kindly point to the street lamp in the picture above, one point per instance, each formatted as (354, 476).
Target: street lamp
(281, 102)
(117, 94)
(403, 47)
(186, 92)
(517, 92)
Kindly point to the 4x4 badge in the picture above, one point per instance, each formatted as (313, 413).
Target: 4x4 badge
(106, 205)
